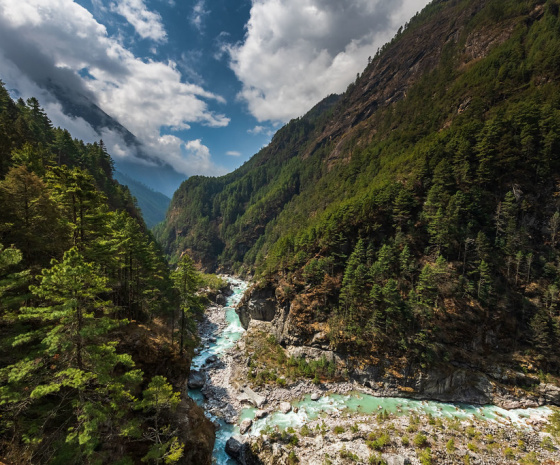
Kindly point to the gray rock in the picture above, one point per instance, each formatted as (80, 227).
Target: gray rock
(550, 392)
(197, 379)
(248, 395)
(285, 407)
(212, 339)
(315, 396)
(212, 359)
(245, 425)
(396, 460)
(259, 305)
(260, 414)
(234, 446)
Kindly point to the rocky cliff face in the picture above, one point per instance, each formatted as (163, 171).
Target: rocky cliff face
(447, 382)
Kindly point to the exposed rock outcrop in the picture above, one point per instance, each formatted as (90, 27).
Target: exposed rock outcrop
(261, 308)
(239, 448)
(197, 379)
(250, 396)
(260, 304)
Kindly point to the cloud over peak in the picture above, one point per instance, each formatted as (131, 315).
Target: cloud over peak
(296, 52)
(60, 44)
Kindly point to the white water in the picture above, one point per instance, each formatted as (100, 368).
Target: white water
(225, 340)
(352, 403)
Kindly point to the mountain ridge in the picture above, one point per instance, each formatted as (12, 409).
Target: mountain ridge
(152, 204)
(410, 221)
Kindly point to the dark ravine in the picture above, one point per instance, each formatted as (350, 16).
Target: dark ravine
(446, 382)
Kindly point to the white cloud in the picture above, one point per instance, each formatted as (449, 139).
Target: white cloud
(233, 153)
(147, 24)
(261, 130)
(296, 52)
(198, 14)
(256, 130)
(42, 43)
(197, 158)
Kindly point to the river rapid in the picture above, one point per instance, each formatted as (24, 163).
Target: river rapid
(220, 332)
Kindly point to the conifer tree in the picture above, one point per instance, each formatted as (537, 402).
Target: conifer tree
(186, 281)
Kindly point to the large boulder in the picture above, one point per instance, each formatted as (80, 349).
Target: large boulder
(211, 359)
(239, 448)
(234, 446)
(245, 425)
(250, 396)
(197, 379)
(285, 407)
(396, 460)
(258, 304)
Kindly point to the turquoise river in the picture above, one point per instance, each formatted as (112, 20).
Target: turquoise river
(354, 402)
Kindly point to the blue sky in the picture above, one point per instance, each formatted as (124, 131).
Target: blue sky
(202, 84)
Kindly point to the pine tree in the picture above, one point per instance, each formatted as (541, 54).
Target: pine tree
(186, 281)
(158, 399)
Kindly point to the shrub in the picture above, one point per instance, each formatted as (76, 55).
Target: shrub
(376, 459)
(450, 446)
(425, 456)
(547, 444)
(420, 440)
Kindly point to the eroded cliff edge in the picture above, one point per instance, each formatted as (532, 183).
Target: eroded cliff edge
(474, 378)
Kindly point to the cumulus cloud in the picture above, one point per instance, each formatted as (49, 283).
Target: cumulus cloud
(296, 52)
(198, 158)
(57, 48)
(233, 153)
(146, 23)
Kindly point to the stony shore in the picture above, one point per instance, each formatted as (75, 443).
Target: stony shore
(341, 438)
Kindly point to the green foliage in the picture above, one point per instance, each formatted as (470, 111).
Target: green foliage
(346, 454)
(420, 440)
(425, 456)
(376, 459)
(80, 268)
(450, 446)
(378, 440)
(553, 426)
(547, 444)
(509, 453)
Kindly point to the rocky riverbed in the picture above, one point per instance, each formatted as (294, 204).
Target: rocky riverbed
(309, 431)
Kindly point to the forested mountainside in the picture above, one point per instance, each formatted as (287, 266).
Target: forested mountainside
(413, 220)
(89, 370)
(152, 204)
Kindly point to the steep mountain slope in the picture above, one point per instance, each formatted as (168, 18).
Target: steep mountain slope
(414, 219)
(152, 204)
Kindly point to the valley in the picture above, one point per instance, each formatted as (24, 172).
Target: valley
(290, 420)
(378, 284)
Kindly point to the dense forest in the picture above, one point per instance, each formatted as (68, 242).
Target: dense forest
(86, 299)
(416, 215)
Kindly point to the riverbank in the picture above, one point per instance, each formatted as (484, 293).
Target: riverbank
(346, 422)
